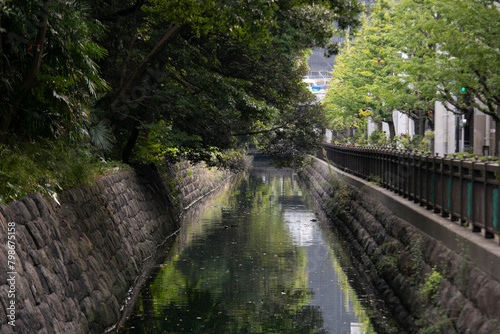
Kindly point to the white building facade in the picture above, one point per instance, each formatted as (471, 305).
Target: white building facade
(457, 133)
(402, 125)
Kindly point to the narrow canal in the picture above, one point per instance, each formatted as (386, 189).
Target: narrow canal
(255, 259)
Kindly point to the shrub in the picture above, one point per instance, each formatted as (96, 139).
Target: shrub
(378, 138)
(414, 143)
(48, 167)
(431, 285)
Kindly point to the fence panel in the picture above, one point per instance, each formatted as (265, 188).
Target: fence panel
(466, 191)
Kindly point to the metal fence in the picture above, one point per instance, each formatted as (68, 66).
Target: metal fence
(463, 190)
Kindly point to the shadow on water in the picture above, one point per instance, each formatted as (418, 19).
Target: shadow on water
(251, 259)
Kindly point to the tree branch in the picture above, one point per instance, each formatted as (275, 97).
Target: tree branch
(136, 77)
(257, 132)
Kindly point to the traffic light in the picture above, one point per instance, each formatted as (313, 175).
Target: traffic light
(466, 100)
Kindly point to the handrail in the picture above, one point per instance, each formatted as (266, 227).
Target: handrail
(463, 190)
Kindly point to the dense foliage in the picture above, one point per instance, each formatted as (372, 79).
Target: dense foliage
(410, 54)
(143, 80)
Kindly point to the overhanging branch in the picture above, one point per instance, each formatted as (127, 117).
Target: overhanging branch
(250, 133)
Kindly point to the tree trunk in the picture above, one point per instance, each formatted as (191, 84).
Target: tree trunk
(471, 131)
(147, 62)
(129, 146)
(30, 79)
(420, 126)
(392, 130)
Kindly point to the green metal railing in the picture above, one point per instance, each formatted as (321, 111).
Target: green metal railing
(463, 190)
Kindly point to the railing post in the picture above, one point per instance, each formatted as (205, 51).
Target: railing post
(407, 176)
(434, 184)
(462, 186)
(385, 168)
(422, 164)
(398, 172)
(444, 186)
(475, 228)
(451, 193)
(417, 177)
(380, 162)
(487, 233)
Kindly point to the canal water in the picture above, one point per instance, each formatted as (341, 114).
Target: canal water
(252, 259)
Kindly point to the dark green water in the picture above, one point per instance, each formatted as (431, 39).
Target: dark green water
(254, 260)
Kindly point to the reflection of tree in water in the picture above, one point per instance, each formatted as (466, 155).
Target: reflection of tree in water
(248, 279)
(196, 313)
(307, 319)
(200, 313)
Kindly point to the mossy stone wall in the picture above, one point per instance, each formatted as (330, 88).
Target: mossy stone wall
(428, 287)
(77, 257)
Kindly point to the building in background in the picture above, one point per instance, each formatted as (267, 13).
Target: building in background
(473, 132)
(320, 67)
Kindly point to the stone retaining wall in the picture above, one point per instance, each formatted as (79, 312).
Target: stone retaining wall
(77, 257)
(428, 287)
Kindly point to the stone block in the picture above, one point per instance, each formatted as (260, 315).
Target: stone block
(85, 286)
(66, 216)
(42, 205)
(7, 329)
(21, 327)
(453, 299)
(488, 299)
(53, 282)
(21, 214)
(7, 212)
(36, 287)
(24, 241)
(4, 228)
(103, 288)
(95, 268)
(70, 327)
(46, 315)
(3, 314)
(3, 266)
(30, 204)
(55, 227)
(39, 239)
(61, 270)
(85, 245)
(489, 327)
(56, 305)
(39, 257)
(477, 279)
(87, 309)
(74, 271)
(23, 292)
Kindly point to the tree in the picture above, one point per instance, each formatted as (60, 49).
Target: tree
(454, 46)
(449, 53)
(205, 74)
(363, 75)
(180, 77)
(468, 34)
(47, 68)
(416, 92)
